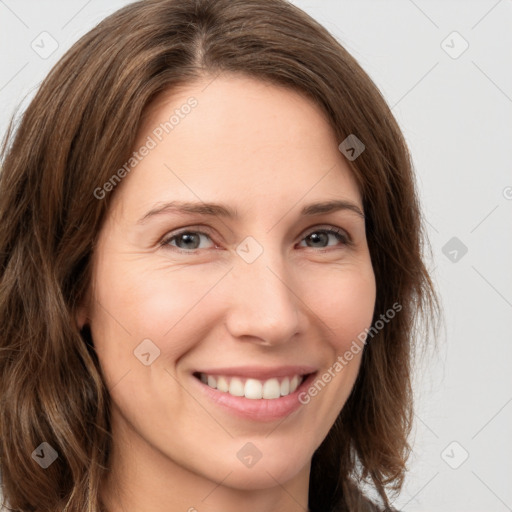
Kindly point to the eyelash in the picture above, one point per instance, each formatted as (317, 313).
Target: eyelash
(342, 236)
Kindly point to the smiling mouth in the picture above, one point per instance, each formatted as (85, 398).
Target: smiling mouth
(254, 389)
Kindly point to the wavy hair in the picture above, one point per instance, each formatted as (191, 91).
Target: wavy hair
(51, 384)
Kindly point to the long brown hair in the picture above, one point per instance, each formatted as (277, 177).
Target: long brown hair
(79, 129)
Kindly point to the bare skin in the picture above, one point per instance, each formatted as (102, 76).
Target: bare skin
(265, 152)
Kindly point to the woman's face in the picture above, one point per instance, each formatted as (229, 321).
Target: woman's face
(249, 301)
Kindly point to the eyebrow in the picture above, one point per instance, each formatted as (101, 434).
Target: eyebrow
(219, 210)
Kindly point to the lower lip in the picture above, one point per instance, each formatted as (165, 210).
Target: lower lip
(258, 410)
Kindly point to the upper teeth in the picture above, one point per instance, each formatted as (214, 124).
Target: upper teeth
(253, 388)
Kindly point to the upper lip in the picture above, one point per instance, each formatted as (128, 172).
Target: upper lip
(259, 372)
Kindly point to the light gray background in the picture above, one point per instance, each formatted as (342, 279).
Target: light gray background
(456, 114)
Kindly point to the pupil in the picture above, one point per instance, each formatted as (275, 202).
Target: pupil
(316, 237)
(189, 237)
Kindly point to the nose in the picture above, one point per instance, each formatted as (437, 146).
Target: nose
(263, 307)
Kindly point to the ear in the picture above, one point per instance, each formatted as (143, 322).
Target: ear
(82, 313)
(81, 317)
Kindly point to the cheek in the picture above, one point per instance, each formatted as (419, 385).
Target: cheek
(344, 299)
(139, 302)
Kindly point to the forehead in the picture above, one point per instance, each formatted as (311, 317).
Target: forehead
(244, 141)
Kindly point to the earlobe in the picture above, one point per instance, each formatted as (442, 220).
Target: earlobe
(81, 317)
(82, 312)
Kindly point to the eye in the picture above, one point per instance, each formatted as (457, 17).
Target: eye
(189, 240)
(320, 237)
(186, 241)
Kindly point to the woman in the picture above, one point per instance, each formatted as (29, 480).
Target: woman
(211, 268)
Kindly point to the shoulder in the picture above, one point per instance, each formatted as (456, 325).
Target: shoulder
(369, 506)
(362, 503)
(356, 500)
